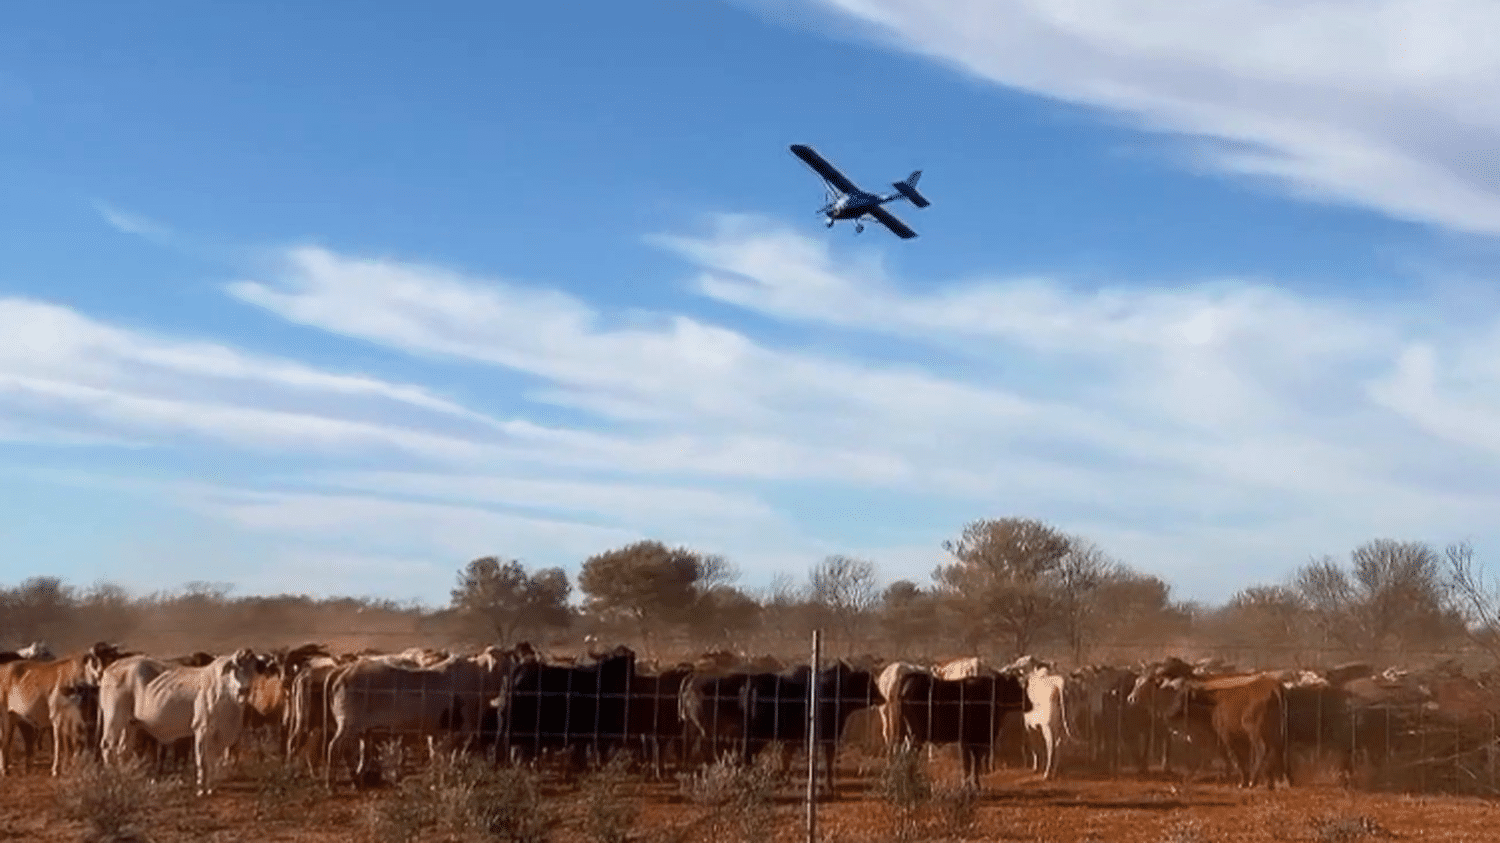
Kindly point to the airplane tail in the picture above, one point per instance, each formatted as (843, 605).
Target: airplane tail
(908, 189)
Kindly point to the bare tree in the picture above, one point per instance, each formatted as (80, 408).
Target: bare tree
(844, 587)
(1273, 617)
(1079, 575)
(1475, 595)
(1392, 596)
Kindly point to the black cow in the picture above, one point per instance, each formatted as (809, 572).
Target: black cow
(577, 708)
(968, 712)
(653, 716)
(1318, 719)
(775, 707)
(713, 714)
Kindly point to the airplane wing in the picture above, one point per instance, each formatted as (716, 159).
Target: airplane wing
(824, 169)
(889, 220)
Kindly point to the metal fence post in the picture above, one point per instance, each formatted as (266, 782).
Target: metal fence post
(812, 739)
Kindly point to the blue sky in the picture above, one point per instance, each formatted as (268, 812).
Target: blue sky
(333, 297)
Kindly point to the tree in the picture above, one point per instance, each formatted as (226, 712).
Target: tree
(1475, 596)
(1079, 575)
(1267, 616)
(722, 612)
(909, 616)
(1001, 583)
(1392, 596)
(844, 587)
(507, 601)
(647, 584)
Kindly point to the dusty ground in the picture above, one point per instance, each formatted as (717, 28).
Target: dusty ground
(254, 805)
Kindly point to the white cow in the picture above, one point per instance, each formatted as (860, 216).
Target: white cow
(965, 668)
(886, 684)
(1047, 717)
(170, 702)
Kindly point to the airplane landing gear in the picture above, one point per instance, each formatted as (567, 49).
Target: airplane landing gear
(858, 227)
(830, 223)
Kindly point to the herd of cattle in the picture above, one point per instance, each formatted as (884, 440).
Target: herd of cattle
(517, 706)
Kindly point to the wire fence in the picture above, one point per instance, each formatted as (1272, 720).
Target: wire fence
(1436, 732)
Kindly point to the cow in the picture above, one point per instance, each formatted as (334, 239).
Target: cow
(451, 695)
(577, 708)
(32, 692)
(775, 707)
(266, 708)
(36, 651)
(1245, 713)
(653, 713)
(1047, 716)
(76, 716)
(306, 711)
(964, 668)
(885, 683)
(170, 702)
(1119, 732)
(712, 713)
(968, 712)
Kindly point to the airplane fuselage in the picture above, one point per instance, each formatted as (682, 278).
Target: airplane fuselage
(852, 206)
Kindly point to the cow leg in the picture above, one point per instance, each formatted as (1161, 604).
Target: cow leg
(1047, 744)
(5, 728)
(57, 749)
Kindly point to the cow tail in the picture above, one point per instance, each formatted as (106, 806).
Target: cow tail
(1062, 707)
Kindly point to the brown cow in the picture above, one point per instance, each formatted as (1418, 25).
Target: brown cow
(266, 709)
(1246, 714)
(33, 694)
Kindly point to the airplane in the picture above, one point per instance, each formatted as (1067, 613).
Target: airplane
(847, 202)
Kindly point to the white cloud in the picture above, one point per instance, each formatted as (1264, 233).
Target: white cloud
(59, 368)
(1388, 104)
(133, 224)
(1232, 422)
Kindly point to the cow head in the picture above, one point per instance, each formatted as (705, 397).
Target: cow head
(237, 671)
(36, 651)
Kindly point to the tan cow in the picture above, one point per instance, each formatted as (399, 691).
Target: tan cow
(454, 694)
(308, 719)
(32, 692)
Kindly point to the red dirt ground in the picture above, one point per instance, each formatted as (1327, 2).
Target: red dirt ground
(1014, 806)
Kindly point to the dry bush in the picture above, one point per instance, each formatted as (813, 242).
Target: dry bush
(1346, 829)
(610, 809)
(457, 798)
(906, 789)
(957, 807)
(113, 803)
(738, 799)
(1190, 831)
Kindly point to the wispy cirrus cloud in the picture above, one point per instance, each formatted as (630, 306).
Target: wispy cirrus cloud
(1388, 105)
(134, 224)
(1231, 420)
(1218, 405)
